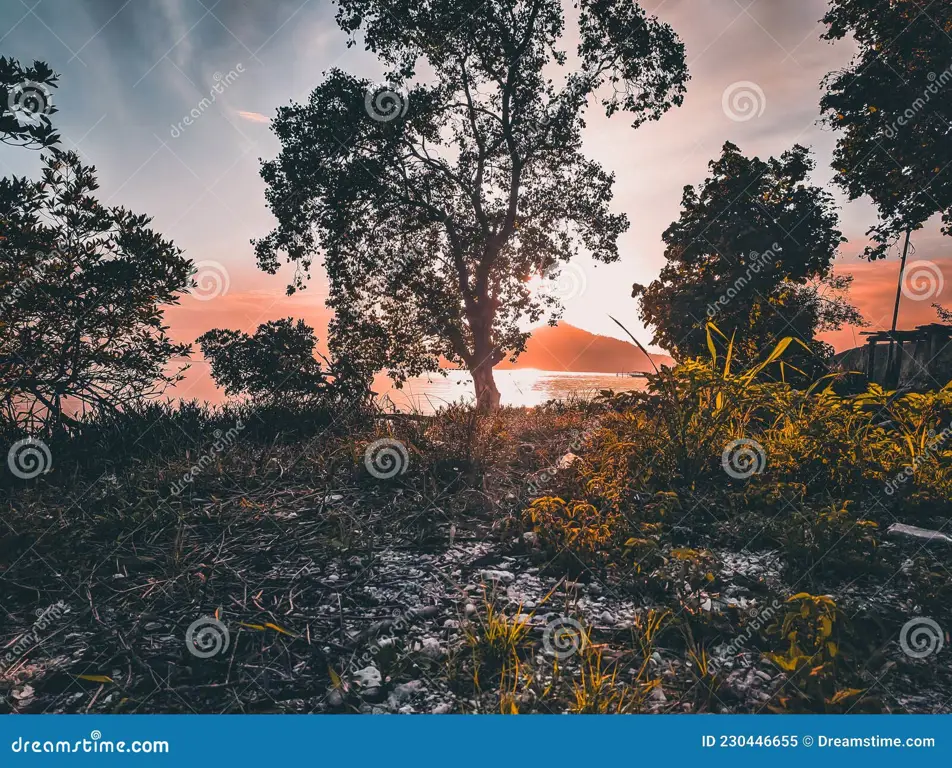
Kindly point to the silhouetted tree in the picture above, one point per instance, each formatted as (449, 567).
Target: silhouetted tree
(276, 364)
(893, 108)
(82, 285)
(752, 252)
(432, 200)
(26, 104)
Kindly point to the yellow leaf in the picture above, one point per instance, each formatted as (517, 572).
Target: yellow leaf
(335, 678)
(259, 627)
(96, 678)
(831, 648)
(276, 628)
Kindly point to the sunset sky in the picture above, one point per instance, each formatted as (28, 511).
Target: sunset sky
(132, 70)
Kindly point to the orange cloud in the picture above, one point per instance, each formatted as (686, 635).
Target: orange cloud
(254, 117)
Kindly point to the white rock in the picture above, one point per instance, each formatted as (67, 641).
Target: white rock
(368, 677)
(921, 534)
(442, 709)
(430, 648)
(567, 460)
(469, 610)
(502, 577)
(403, 693)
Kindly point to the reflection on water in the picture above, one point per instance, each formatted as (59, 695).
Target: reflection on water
(523, 387)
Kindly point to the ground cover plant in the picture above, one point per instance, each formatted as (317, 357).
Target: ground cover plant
(720, 542)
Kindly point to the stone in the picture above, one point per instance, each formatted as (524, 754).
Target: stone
(403, 693)
(606, 617)
(531, 538)
(334, 699)
(567, 460)
(442, 709)
(501, 577)
(430, 648)
(923, 535)
(368, 677)
(469, 610)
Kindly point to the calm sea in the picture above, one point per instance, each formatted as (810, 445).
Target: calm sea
(523, 387)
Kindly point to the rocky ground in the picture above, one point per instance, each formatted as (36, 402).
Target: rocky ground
(297, 586)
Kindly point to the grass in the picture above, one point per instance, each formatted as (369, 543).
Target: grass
(319, 569)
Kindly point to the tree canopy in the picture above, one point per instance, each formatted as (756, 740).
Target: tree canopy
(432, 200)
(892, 107)
(26, 103)
(752, 251)
(80, 318)
(276, 363)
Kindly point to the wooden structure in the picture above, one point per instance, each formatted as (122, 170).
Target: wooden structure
(912, 359)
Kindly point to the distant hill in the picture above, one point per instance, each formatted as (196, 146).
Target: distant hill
(566, 348)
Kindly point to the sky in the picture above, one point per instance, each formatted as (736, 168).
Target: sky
(133, 70)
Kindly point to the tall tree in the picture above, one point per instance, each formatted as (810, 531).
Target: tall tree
(432, 200)
(752, 252)
(893, 109)
(81, 286)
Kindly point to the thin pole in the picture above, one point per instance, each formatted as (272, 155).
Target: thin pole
(902, 269)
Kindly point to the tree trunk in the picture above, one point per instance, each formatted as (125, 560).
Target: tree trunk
(902, 269)
(487, 395)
